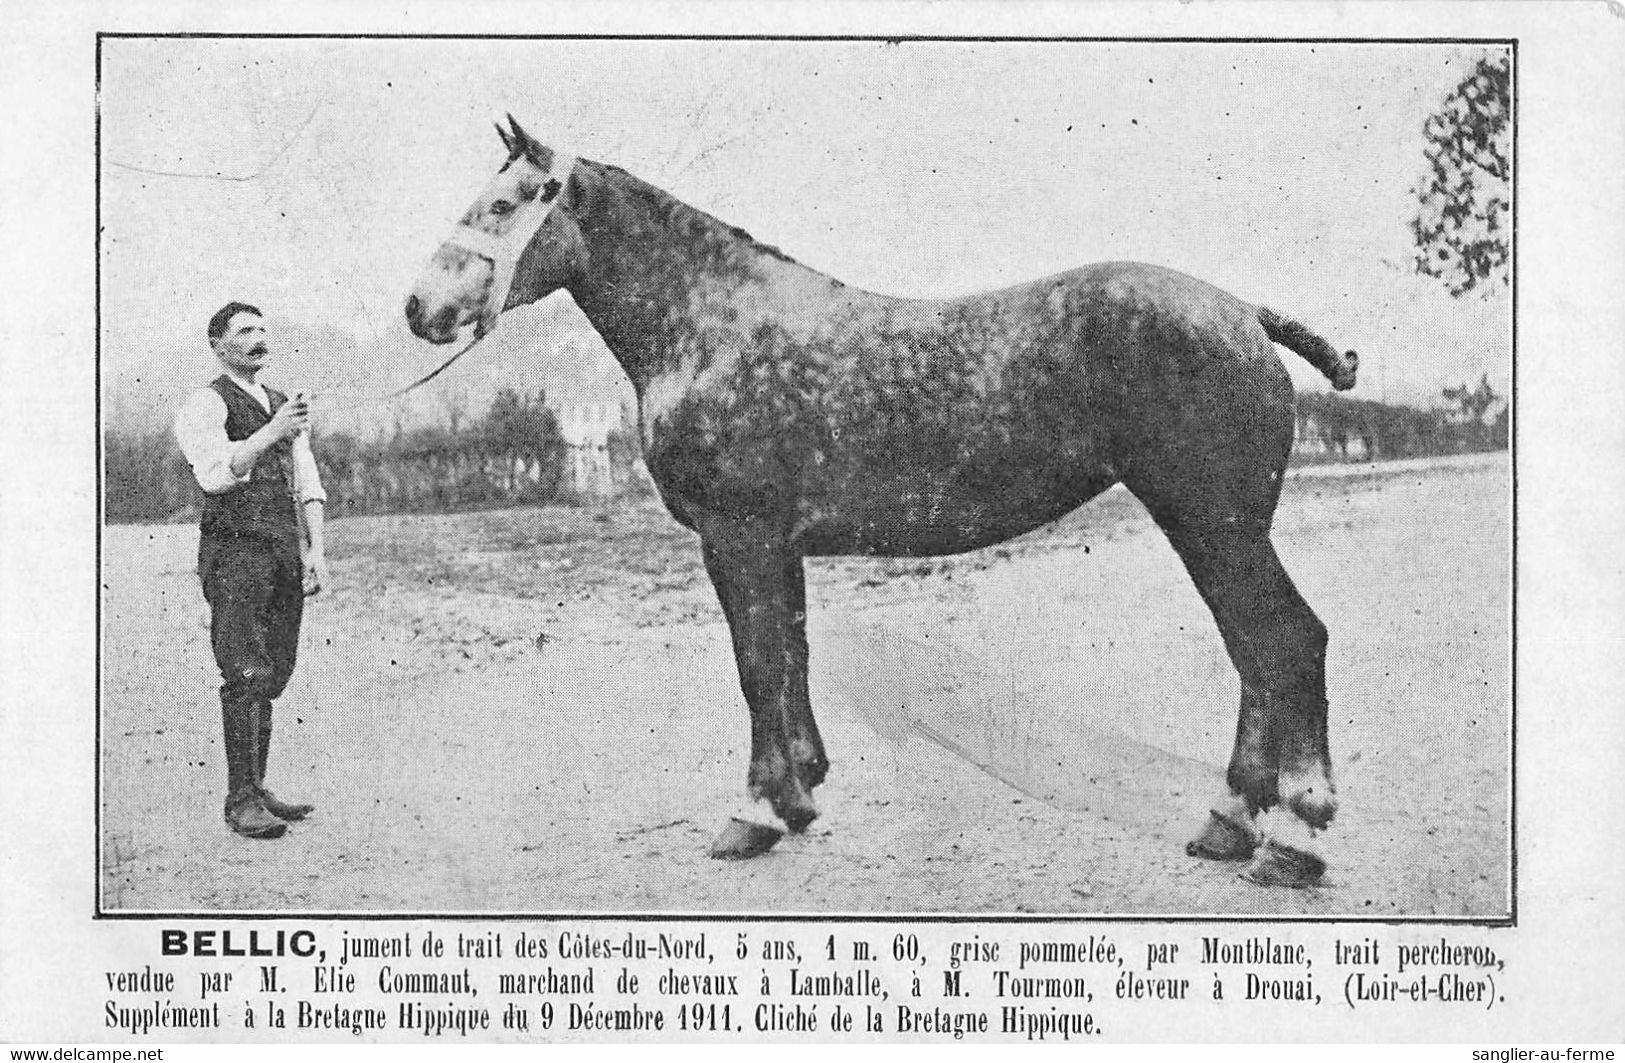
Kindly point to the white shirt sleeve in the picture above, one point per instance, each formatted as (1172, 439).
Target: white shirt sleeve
(200, 429)
(307, 479)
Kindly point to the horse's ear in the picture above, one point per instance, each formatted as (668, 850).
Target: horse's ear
(507, 142)
(524, 143)
(520, 137)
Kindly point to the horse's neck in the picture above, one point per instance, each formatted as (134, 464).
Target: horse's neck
(654, 266)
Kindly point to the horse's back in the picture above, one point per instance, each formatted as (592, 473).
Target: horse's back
(1130, 303)
(1129, 321)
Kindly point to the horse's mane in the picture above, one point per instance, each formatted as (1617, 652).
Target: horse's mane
(672, 211)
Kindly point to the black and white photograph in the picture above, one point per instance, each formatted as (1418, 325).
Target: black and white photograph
(789, 477)
(914, 523)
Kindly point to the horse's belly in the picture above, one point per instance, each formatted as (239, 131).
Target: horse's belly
(918, 516)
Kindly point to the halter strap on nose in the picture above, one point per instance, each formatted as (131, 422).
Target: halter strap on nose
(502, 250)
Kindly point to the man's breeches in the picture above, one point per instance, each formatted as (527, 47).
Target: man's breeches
(256, 598)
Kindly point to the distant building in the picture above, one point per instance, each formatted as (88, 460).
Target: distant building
(587, 422)
(591, 398)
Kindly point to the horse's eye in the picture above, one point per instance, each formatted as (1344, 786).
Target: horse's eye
(501, 207)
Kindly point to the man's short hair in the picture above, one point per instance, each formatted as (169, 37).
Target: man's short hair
(223, 316)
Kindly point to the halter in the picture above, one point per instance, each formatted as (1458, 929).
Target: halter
(503, 250)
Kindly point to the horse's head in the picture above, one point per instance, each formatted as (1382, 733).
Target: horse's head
(513, 246)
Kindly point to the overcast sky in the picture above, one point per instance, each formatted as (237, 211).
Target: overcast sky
(1279, 172)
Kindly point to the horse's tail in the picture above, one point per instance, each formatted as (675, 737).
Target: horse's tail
(1295, 335)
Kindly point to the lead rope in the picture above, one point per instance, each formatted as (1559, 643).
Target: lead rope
(391, 396)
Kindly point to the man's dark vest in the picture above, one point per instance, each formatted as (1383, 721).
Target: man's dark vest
(264, 507)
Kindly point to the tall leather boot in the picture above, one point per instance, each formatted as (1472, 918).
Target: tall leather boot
(278, 808)
(245, 811)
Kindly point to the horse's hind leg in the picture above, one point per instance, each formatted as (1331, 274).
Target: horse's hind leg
(1278, 646)
(762, 590)
(1208, 463)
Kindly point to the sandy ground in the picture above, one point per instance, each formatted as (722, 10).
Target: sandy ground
(536, 711)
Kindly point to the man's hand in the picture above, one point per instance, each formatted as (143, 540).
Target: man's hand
(290, 419)
(315, 562)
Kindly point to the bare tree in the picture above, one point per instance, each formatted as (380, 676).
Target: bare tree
(1462, 223)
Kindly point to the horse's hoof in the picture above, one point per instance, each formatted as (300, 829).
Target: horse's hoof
(1281, 865)
(798, 818)
(741, 840)
(1224, 839)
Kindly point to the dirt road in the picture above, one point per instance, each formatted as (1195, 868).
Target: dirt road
(536, 711)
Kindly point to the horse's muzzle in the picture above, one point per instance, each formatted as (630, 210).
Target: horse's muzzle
(438, 328)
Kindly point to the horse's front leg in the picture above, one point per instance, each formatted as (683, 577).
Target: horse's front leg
(760, 584)
(800, 726)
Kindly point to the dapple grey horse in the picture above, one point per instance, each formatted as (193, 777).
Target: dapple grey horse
(784, 415)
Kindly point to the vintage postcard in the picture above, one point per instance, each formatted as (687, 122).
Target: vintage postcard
(944, 525)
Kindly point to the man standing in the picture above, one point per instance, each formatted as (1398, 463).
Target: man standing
(249, 448)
